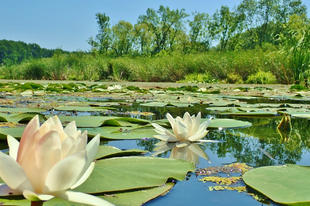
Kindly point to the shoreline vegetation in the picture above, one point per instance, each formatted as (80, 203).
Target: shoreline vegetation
(256, 42)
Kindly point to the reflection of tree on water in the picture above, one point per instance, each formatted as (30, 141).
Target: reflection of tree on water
(148, 144)
(244, 143)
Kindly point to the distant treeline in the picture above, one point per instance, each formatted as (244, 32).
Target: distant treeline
(12, 52)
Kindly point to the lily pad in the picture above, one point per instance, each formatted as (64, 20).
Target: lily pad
(115, 133)
(20, 117)
(228, 123)
(163, 104)
(83, 109)
(106, 151)
(129, 198)
(97, 121)
(15, 132)
(254, 114)
(6, 109)
(124, 173)
(287, 184)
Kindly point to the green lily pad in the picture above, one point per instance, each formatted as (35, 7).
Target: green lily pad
(128, 198)
(227, 123)
(11, 110)
(254, 114)
(288, 184)
(83, 109)
(106, 151)
(20, 117)
(307, 116)
(135, 198)
(163, 104)
(97, 121)
(115, 133)
(124, 173)
(15, 132)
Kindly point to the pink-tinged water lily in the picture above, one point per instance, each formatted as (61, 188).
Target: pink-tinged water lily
(186, 129)
(48, 161)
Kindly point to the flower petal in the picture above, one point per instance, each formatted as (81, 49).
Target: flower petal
(27, 137)
(65, 173)
(5, 190)
(46, 154)
(182, 131)
(13, 145)
(32, 196)
(203, 126)
(70, 129)
(13, 174)
(198, 136)
(85, 176)
(166, 138)
(92, 148)
(82, 198)
(195, 124)
(171, 120)
(159, 129)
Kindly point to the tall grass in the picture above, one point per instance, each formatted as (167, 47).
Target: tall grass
(161, 68)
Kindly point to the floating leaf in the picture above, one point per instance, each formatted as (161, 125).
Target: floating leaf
(228, 123)
(128, 198)
(11, 110)
(83, 109)
(287, 184)
(105, 151)
(163, 104)
(118, 174)
(15, 132)
(114, 133)
(139, 197)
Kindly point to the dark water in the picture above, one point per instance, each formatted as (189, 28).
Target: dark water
(259, 145)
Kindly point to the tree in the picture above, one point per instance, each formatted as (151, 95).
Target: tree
(164, 24)
(122, 38)
(198, 34)
(102, 42)
(227, 25)
(143, 38)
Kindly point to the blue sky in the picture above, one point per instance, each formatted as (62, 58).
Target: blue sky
(68, 24)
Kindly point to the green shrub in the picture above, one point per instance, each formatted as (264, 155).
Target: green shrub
(297, 87)
(234, 78)
(262, 78)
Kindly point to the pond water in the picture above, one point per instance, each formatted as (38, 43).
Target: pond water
(259, 145)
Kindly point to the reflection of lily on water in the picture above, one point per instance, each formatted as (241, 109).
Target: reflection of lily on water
(185, 150)
(187, 131)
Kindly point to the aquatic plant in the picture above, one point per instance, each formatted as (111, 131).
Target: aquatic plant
(186, 129)
(48, 161)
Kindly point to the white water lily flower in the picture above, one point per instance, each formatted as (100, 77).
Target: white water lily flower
(202, 89)
(116, 86)
(186, 129)
(48, 161)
